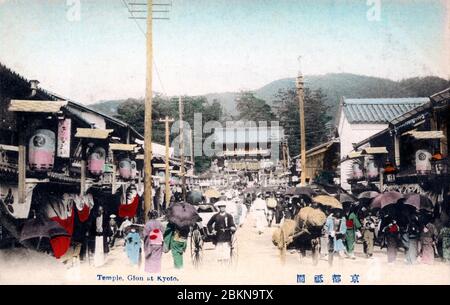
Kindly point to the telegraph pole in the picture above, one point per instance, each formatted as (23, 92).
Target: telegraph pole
(167, 121)
(136, 14)
(301, 103)
(182, 172)
(148, 202)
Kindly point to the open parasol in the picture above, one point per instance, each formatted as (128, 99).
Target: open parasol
(367, 195)
(343, 197)
(328, 201)
(385, 199)
(41, 228)
(420, 202)
(182, 214)
(305, 191)
(212, 193)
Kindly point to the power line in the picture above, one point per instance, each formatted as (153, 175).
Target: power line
(143, 33)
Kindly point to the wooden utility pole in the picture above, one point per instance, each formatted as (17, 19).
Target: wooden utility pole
(148, 204)
(301, 103)
(182, 171)
(167, 121)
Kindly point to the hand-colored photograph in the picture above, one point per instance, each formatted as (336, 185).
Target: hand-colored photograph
(224, 142)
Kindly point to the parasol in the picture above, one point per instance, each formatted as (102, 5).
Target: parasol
(385, 199)
(41, 228)
(346, 198)
(306, 191)
(182, 214)
(420, 202)
(368, 195)
(194, 197)
(212, 193)
(328, 201)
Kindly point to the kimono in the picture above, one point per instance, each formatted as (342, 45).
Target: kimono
(133, 247)
(336, 229)
(445, 234)
(427, 238)
(175, 240)
(353, 224)
(153, 245)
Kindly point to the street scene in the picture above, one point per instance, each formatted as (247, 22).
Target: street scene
(306, 146)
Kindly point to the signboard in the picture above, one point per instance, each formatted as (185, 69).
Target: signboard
(63, 146)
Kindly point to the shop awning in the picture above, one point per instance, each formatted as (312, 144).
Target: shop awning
(36, 106)
(423, 135)
(355, 154)
(375, 150)
(123, 147)
(93, 133)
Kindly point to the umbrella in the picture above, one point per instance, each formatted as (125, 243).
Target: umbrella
(420, 202)
(212, 193)
(328, 201)
(385, 199)
(346, 198)
(306, 191)
(368, 195)
(182, 214)
(40, 228)
(194, 197)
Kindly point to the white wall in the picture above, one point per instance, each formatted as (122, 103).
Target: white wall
(351, 134)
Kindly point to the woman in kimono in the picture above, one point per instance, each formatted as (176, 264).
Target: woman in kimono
(336, 228)
(175, 240)
(391, 234)
(353, 225)
(153, 243)
(133, 246)
(413, 232)
(445, 235)
(427, 238)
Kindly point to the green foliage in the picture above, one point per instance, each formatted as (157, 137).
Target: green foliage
(132, 111)
(317, 126)
(252, 108)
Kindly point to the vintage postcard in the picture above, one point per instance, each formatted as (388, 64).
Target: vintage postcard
(224, 142)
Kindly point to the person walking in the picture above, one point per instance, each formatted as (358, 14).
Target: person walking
(175, 240)
(101, 230)
(353, 225)
(391, 234)
(445, 236)
(336, 228)
(368, 227)
(222, 226)
(153, 243)
(260, 209)
(133, 246)
(413, 234)
(271, 204)
(427, 240)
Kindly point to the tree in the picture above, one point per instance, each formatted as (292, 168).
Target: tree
(316, 119)
(252, 108)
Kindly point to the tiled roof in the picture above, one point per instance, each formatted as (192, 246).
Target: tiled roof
(379, 110)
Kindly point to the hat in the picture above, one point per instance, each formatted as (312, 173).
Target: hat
(112, 216)
(220, 204)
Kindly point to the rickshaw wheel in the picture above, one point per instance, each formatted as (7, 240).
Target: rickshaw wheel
(196, 247)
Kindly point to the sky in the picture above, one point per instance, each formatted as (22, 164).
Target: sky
(90, 50)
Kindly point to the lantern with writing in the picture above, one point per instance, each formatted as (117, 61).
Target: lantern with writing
(125, 168)
(423, 162)
(41, 150)
(390, 172)
(96, 161)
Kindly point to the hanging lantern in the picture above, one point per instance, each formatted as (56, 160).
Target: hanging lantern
(371, 170)
(423, 162)
(390, 172)
(357, 172)
(125, 168)
(96, 161)
(439, 165)
(41, 150)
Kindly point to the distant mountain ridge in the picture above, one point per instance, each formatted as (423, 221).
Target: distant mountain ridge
(334, 86)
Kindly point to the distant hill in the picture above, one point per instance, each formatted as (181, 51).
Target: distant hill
(334, 85)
